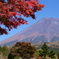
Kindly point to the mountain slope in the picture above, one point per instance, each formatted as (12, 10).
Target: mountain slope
(45, 30)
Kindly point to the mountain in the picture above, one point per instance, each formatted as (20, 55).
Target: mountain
(45, 30)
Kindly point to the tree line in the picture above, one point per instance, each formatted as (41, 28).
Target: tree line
(25, 50)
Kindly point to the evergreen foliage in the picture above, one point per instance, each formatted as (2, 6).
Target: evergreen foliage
(44, 51)
(4, 51)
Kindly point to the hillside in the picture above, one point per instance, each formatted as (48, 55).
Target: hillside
(45, 30)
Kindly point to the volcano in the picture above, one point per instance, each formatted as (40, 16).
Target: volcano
(45, 30)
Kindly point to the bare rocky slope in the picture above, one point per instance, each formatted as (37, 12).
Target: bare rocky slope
(45, 30)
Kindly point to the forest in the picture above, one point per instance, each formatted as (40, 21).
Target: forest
(26, 50)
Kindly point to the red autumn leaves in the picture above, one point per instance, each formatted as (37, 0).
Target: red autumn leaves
(10, 9)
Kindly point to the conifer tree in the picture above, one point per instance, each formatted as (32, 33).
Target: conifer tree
(46, 52)
(5, 50)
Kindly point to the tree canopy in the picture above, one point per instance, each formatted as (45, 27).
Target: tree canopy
(44, 51)
(22, 49)
(12, 8)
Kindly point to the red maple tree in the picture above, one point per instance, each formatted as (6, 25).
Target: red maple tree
(9, 10)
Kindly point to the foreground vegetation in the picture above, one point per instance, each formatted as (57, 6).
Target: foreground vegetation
(24, 50)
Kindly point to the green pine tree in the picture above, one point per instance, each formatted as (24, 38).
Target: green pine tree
(5, 50)
(46, 52)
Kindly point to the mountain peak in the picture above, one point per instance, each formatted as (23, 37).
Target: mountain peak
(45, 30)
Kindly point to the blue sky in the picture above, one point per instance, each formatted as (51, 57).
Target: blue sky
(51, 9)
